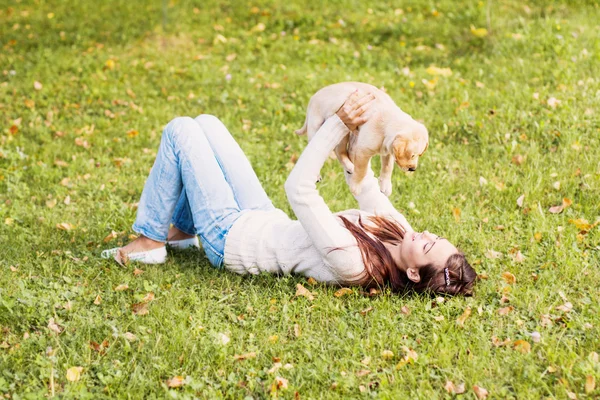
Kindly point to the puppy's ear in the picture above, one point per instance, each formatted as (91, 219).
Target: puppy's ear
(301, 131)
(399, 147)
(425, 149)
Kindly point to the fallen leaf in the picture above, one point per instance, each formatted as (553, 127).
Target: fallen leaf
(54, 327)
(242, 357)
(454, 389)
(522, 346)
(223, 339)
(140, 308)
(593, 357)
(297, 330)
(492, 254)
(74, 374)
(590, 383)
(553, 102)
(461, 320)
(387, 354)
(175, 382)
(479, 32)
(505, 310)
(536, 337)
(121, 287)
(275, 367)
(405, 310)
(148, 297)
(98, 300)
(567, 307)
(366, 310)
(519, 257)
(342, 292)
(99, 347)
(312, 281)
(480, 392)
(130, 336)
(571, 395)
(137, 272)
(558, 209)
(279, 384)
(302, 291)
(509, 278)
(37, 85)
(499, 343)
(520, 200)
(65, 226)
(456, 214)
(435, 71)
(132, 133)
(13, 269)
(363, 372)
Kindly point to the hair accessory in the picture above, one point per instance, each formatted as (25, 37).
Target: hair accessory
(447, 276)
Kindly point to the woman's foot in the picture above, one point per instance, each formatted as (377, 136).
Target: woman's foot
(142, 249)
(180, 240)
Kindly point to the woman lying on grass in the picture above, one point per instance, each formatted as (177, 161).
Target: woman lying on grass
(204, 185)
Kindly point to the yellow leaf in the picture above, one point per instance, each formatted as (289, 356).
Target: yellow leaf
(175, 382)
(522, 345)
(509, 278)
(242, 357)
(479, 32)
(456, 213)
(110, 237)
(8, 221)
(74, 374)
(590, 383)
(435, 71)
(312, 281)
(121, 287)
(98, 300)
(132, 133)
(461, 320)
(110, 64)
(302, 291)
(387, 354)
(343, 292)
(65, 226)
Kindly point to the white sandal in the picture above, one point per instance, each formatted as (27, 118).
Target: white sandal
(184, 243)
(156, 256)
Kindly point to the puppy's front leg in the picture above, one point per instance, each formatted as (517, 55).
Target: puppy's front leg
(385, 176)
(341, 151)
(361, 167)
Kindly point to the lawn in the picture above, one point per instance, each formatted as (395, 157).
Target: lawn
(510, 92)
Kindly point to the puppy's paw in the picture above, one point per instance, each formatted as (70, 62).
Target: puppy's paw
(348, 166)
(385, 186)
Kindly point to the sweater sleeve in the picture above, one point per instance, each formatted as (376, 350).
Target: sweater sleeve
(373, 201)
(335, 243)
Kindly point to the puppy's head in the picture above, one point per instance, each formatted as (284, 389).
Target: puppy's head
(409, 145)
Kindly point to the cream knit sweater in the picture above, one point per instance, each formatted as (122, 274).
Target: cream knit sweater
(317, 244)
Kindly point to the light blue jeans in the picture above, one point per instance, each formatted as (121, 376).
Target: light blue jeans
(201, 182)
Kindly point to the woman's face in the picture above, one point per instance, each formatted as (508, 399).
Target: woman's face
(421, 249)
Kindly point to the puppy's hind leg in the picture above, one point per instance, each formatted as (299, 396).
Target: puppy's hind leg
(361, 167)
(385, 176)
(341, 151)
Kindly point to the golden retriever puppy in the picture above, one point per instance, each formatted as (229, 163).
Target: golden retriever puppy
(389, 131)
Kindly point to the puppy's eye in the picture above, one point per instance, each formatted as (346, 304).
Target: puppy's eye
(413, 156)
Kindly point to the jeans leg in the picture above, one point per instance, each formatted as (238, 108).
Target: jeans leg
(182, 217)
(236, 168)
(185, 159)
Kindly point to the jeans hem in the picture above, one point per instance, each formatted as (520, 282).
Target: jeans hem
(145, 232)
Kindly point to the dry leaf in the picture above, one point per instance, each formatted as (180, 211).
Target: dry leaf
(387, 354)
(137, 272)
(567, 307)
(98, 300)
(275, 367)
(223, 339)
(509, 278)
(312, 281)
(499, 343)
(593, 357)
(297, 330)
(74, 374)
(505, 310)
(280, 383)
(536, 337)
(590, 383)
(553, 102)
(13, 269)
(54, 327)
(302, 291)
(148, 297)
(480, 392)
(405, 310)
(519, 257)
(242, 357)
(435, 71)
(175, 382)
(130, 336)
(110, 237)
(461, 320)
(522, 345)
(51, 203)
(366, 310)
(121, 287)
(492, 254)
(37, 85)
(65, 226)
(571, 395)
(363, 372)
(140, 308)
(520, 200)
(454, 389)
(558, 209)
(342, 292)
(456, 213)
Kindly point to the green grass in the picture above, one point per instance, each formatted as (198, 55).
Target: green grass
(113, 67)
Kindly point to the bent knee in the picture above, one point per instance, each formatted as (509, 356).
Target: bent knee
(181, 126)
(208, 119)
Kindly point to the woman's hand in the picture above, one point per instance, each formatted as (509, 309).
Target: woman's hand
(354, 112)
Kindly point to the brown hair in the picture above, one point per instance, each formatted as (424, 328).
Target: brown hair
(457, 276)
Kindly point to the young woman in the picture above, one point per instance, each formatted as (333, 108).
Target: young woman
(204, 185)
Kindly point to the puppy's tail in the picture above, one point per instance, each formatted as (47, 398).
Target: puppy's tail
(302, 131)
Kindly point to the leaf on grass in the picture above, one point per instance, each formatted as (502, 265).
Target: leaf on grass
(297, 330)
(567, 307)
(499, 343)
(387, 354)
(175, 382)
(130, 336)
(366, 310)
(519, 257)
(454, 389)
(522, 346)
(363, 372)
(312, 281)
(435, 71)
(456, 213)
(480, 392)
(593, 357)
(37, 85)
(479, 32)
(99, 347)
(140, 308)
(505, 310)
(74, 374)
(54, 327)
(148, 297)
(137, 272)
(65, 226)
(509, 278)
(242, 357)
(520, 200)
(583, 225)
(461, 320)
(590, 383)
(558, 209)
(121, 287)
(98, 300)
(342, 292)
(222, 339)
(405, 310)
(302, 291)
(492, 254)
(279, 384)
(110, 237)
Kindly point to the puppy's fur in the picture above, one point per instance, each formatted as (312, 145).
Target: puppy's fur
(389, 131)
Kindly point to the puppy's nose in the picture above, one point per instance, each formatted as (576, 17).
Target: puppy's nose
(412, 169)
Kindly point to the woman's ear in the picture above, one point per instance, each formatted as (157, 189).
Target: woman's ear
(413, 275)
